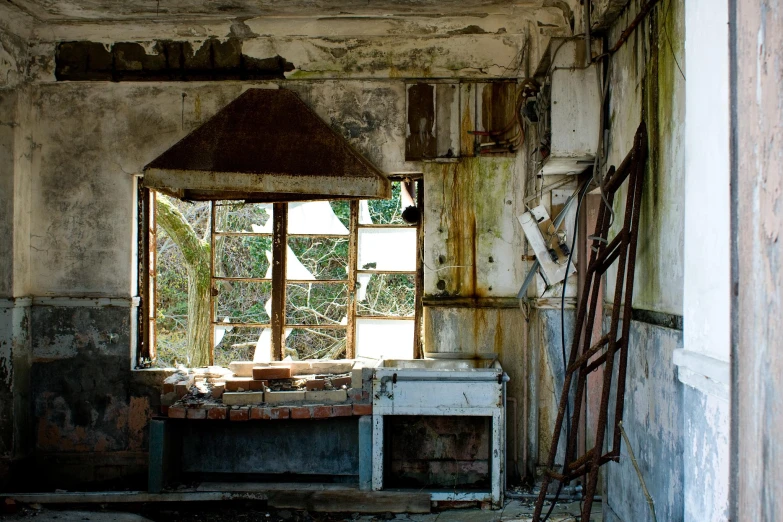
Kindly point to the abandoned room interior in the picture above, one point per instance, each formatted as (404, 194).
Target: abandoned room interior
(423, 259)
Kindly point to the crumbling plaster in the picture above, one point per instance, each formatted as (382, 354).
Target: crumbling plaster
(150, 10)
(88, 140)
(757, 172)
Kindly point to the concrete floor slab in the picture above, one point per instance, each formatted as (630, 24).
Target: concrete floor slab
(47, 515)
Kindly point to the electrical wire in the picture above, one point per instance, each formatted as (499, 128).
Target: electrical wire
(582, 193)
(669, 40)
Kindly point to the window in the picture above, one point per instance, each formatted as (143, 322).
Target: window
(315, 279)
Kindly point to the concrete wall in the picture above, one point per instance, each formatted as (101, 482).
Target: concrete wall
(678, 431)
(646, 83)
(86, 140)
(757, 177)
(16, 146)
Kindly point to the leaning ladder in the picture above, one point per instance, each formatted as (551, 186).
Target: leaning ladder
(585, 358)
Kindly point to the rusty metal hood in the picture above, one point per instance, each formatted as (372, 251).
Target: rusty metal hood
(265, 146)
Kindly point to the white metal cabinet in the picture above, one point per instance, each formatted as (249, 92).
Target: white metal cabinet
(442, 387)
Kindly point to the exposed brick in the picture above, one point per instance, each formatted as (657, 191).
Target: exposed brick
(315, 384)
(259, 413)
(300, 412)
(342, 410)
(266, 373)
(362, 409)
(280, 413)
(341, 381)
(322, 412)
(356, 375)
(177, 412)
(239, 414)
(182, 388)
(170, 383)
(244, 384)
(217, 390)
(326, 396)
(167, 399)
(197, 413)
(217, 412)
(242, 368)
(284, 397)
(241, 398)
(355, 394)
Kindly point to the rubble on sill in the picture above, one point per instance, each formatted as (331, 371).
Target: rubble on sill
(311, 389)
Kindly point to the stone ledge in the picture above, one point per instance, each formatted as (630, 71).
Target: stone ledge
(703, 372)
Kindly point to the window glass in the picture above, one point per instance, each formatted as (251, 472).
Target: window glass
(384, 338)
(318, 217)
(237, 343)
(386, 295)
(238, 216)
(243, 256)
(243, 302)
(320, 257)
(383, 211)
(392, 249)
(315, 343)
(314, 303)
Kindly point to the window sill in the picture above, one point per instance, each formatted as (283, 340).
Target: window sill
(703, 372)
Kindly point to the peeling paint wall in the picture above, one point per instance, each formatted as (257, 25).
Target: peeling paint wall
(646, 83)
(653, 419)
(84, 142)
(757, 171)
(15, 148)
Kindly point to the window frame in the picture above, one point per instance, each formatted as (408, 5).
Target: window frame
(146, 353)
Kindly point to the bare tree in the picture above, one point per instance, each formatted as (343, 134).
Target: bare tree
(196, 253)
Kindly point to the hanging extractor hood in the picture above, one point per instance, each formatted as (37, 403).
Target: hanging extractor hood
(265, 146)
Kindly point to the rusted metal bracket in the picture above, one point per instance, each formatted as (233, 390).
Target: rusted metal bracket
(586, 357)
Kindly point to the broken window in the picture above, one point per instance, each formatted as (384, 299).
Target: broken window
(351, 285)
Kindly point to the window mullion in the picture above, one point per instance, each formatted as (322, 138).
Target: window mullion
(212, 289)
(279, 243)
(350, 334)
(418, 349)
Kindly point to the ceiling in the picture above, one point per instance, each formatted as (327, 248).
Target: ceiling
(82, 10)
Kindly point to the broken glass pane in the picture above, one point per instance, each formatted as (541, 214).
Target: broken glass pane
(392, 249)
(243, 302)
(387, 295)
(238, 216)
(364, 213)
(322, 257)
(318, 217)
(387, 338)
(234, 343)
(243, 256)
(313, 303)
(315, 343)
(385, 211)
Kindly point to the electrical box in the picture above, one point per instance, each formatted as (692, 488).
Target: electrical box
(569, 104)
(548, 243)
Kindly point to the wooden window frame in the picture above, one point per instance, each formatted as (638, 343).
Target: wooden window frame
(147, 248)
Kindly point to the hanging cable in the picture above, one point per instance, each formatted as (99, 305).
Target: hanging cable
(582, 193)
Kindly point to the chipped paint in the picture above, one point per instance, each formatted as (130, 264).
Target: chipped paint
(470, 238)
(757, 402)
(79, 235)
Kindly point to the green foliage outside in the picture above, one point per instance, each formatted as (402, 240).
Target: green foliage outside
(312, 304)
